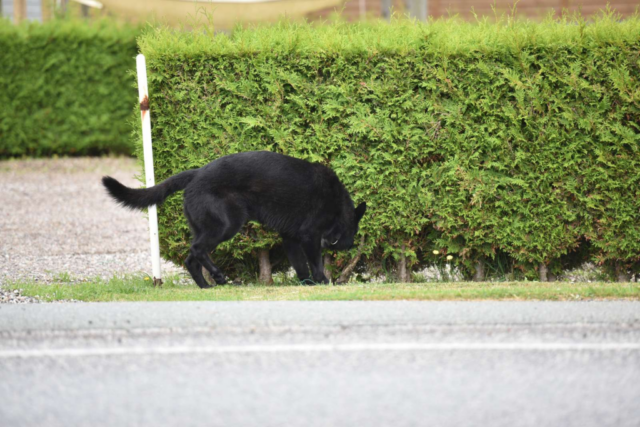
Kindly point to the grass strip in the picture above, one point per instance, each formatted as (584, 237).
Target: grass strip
(141, 289)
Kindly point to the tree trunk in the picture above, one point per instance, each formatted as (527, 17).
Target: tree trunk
(542, 271)
(479, 274)
(403, 275)
(327, 264)
(265, 267)
(621, 272)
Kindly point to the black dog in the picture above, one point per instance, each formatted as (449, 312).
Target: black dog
(305, 202)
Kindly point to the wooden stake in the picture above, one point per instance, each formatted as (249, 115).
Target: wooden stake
(543, 272)
(327, 264)
(265, 267)
(403, 275)
(479, 274)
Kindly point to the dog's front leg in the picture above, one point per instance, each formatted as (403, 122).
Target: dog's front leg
(313, 250)
(297, 258)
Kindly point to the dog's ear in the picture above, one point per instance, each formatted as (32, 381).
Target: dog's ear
(360, 210)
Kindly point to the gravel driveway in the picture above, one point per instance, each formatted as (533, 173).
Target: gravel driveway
(56, 219)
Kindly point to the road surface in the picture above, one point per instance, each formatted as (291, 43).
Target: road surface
(321, 364)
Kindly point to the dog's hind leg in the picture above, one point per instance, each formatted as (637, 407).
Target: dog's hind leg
(201, 247)
(202, 229)
(195, 269)
(191, 263)
(297, 259)
(212, 221)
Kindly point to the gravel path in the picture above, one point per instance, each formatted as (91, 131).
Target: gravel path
(57, 220)
(14, 296)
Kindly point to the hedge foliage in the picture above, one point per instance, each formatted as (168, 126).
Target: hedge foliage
(508, 137)
(64, 87)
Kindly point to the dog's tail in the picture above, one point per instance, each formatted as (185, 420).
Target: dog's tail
(140, 198)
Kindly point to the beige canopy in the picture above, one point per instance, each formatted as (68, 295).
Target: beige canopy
(223, 13)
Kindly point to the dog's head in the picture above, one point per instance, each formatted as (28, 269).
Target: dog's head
(340, 236)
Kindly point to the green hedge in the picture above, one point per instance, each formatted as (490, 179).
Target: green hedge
(515, 138)
(64, 88)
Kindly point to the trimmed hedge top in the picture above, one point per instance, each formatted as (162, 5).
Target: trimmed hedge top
(472, 139)
(449, 37)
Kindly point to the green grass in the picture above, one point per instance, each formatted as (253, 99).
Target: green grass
(174, 289)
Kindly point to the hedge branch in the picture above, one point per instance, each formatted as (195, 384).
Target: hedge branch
(344, 276)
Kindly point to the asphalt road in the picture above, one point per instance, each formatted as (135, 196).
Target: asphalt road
(321, 364)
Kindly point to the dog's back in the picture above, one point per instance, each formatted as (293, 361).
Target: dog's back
(276, 190)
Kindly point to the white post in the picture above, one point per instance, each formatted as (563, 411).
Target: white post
(148, 166)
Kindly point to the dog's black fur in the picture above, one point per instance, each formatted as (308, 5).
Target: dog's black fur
(305, 202)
